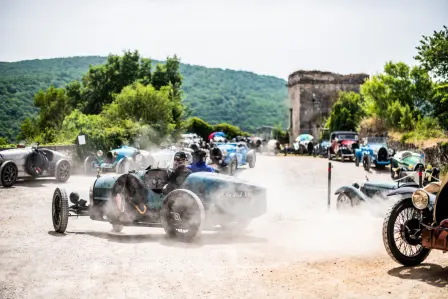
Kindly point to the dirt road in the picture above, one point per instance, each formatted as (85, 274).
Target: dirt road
(297, 250)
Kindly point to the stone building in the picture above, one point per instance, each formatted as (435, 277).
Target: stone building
(311, 97)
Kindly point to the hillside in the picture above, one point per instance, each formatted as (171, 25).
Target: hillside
(241, 98)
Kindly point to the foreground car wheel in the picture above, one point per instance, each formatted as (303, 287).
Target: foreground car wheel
(357, 161)
(182, 215)
(63, 169)
(60, 210)
(402, 234)
(366, 162)
(8, 174)
(252, 161)
(89, 165)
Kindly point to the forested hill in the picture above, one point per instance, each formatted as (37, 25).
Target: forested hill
(241, 98)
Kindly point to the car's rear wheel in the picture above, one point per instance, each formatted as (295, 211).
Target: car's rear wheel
(344, 201)
(60, 210)
(182, 215)
(231, 167)
(8, 173)
(252, 161)
(88, 165)
(366, 162)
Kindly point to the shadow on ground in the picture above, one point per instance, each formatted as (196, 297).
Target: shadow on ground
(431, 274)
(214, 238)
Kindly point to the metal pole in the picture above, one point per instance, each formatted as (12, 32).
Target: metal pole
(329, 185)
(420, 176)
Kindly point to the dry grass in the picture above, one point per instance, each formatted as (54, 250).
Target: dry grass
(426, 143)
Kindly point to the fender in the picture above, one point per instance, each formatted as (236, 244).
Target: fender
(352, 192)
(403, 191)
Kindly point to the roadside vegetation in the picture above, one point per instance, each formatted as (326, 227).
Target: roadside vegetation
(408, 102)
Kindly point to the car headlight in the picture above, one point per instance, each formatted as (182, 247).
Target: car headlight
(420, 199)
(411, 167)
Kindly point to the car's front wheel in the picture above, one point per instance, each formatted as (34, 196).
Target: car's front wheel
(344, 201)
(8, 174)
(63, 170)
(402, 234)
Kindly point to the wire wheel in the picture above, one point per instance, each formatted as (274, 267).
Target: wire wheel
(60, 210)
(9, 174)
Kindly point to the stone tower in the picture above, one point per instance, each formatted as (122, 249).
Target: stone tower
(311, 97)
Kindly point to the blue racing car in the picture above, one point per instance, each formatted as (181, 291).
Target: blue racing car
(229, 156)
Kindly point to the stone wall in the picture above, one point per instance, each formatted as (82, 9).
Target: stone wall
(312, 95)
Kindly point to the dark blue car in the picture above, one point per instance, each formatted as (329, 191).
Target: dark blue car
(230, 156)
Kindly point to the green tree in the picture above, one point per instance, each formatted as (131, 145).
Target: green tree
(433, 53)
(346, 113)
(198, 126)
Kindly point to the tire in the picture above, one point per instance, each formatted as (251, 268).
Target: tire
(236, 226)
(8, 174)
(182, 206)
(60, 210)
(231, 168)
(36, 159)
(329, 155)
(253, 160)
(366, 162)
(344, 201)
(117, 228)
(356, 161)
(63, 170)
(87, 165)
(123, 166)
(389, 240)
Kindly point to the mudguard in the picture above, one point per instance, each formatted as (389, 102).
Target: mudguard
(352, 192)
(403, 190)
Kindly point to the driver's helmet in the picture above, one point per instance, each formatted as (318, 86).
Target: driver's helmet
(99, 153)
(180, 159)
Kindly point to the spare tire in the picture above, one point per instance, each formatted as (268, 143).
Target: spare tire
(36, 163)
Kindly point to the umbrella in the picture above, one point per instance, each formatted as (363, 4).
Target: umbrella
(216, 134)
(304, 137)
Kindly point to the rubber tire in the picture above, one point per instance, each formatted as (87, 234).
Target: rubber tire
(329, 155)
(231, 168)
(87, 169)
(366, 162)
(353, 201)
(117, 228)
(190, 199)
(58, 174)
(389, 242)
(28, 164)
(62, 225)
(253, 160)
(2, 169)
(356, 161)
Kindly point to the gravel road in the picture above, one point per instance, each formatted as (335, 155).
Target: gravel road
(299, 249)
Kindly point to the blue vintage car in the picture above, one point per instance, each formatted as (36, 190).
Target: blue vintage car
(374, 151)
(118, 160)
(142, 198)
(230, 156)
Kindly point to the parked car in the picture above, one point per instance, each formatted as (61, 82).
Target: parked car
(404, 161)
(374, 150)
(228, 157)
(417, 224)
(32, 162)
(118, 160)
(356, 194)
(139, 198)
(343, 145)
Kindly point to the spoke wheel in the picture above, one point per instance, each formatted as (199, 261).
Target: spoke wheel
(60, 210)
(402, 234)
(9, 174)
(63, 171)
(344, 201)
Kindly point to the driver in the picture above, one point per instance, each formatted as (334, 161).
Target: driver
(179, 173)
(199, 163)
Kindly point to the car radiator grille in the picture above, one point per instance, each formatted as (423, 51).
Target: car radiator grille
(103, 193)
(382, 155)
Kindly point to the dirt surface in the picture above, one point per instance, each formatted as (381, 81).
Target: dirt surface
(297, 250)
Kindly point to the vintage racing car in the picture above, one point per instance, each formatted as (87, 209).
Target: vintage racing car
(118, 160)
(417, 224)
(406, 161)
(374, 151)
(139, 198)
(32, 162)
(343, 145)
(356, 194)
(229, 156)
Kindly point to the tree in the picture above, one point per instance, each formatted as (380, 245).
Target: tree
(346, 113)
(433, 53)
(198, 126)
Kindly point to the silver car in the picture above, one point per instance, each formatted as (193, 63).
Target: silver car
(32, 162)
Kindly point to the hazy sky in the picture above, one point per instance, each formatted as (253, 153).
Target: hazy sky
(274, 37)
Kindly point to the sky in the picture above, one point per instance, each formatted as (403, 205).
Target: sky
(270, 37)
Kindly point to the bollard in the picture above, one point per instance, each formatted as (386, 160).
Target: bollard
(420, 176)
(329, 184)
